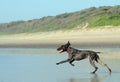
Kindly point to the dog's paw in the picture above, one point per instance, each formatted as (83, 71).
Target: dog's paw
(57, 63)
(92, 73)
(72, 65)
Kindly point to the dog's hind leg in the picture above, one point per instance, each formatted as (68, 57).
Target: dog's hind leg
(92, 62)
(101, 63)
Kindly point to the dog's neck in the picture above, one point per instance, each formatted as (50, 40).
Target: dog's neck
(69, 49)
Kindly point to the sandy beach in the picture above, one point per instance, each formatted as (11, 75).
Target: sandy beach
(84, 37)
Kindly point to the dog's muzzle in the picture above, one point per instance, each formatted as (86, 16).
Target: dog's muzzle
(60, 50)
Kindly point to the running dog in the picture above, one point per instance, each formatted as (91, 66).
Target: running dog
(77, 55)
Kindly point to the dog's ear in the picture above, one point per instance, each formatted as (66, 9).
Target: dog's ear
(68, 43)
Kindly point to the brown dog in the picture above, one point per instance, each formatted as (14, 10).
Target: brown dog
(74, 54)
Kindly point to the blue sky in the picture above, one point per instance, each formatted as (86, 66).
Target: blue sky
(14, 10)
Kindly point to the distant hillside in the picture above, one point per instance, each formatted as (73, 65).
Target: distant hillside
(87, 18)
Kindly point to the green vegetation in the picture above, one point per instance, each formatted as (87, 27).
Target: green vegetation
(105, 21)
(94, 17)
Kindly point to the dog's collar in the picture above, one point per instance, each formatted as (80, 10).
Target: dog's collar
(69, 49)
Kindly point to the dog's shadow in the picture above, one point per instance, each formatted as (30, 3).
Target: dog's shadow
(93, 78)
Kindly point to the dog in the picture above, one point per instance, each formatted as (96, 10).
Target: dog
(77, 55)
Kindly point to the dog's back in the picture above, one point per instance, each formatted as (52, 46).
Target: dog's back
(82, 54)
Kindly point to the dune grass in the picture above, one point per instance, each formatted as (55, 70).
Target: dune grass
(105, 21)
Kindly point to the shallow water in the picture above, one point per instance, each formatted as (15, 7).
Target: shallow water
(39, 65)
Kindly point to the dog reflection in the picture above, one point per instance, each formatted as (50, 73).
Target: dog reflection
(95, 78)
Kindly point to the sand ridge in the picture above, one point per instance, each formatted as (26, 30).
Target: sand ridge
(81, 37)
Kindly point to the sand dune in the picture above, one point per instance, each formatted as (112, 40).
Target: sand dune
(83, 37)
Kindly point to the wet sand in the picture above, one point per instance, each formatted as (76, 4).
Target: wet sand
(39, 65)
(85, 37)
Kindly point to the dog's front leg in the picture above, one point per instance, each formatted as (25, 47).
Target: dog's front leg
(64, 61)
(72, 60)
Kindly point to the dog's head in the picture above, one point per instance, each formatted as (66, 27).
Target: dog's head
(64, 47)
